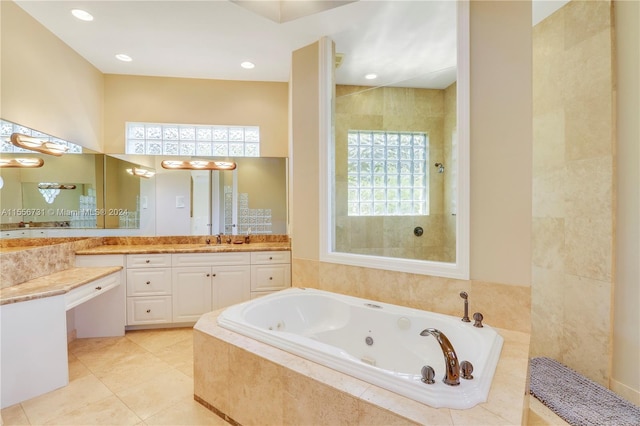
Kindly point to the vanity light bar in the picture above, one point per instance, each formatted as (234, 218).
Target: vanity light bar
(143, 173)
(35, 144)
(198, 165)
(55, 186)
(21, 162)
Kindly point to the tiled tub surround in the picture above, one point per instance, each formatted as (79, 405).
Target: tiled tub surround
(382, 344)
(251, 382)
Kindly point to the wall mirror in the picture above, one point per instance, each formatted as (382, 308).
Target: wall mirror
(397, 159)
(251, 199)
(74, 191)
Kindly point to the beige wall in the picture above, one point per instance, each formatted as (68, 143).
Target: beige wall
(625, 374)
(573, 188)
(500, 288)
(304, 156)
(45, 84)
(501, 141)
(196, 101)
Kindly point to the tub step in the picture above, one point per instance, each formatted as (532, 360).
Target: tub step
(577, 399)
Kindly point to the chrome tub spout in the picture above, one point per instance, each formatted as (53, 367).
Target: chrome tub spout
(452, 375)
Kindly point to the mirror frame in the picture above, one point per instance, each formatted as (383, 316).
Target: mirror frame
(459, 269)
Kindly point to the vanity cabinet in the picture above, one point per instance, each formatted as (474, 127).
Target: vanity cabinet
(270, 271)
(149, 289)
(203, 282)
(177, 288)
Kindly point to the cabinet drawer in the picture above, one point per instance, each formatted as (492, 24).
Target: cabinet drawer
(211, 259)
(148, 310)
(90, 290)
(270, 277)
(148, 260)
(267, 257)
(148, 282)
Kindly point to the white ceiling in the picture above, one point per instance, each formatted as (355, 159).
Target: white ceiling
(406, 43)
(401, 41)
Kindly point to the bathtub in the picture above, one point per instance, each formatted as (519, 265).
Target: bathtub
(376, 342)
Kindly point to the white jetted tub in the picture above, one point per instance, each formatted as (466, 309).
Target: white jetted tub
(376, 342)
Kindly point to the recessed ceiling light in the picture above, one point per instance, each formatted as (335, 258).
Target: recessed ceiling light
(371, 76)
(247, 65)
(123, 57)
(82, 15)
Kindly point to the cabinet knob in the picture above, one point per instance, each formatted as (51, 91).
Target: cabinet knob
(208, 275)
(147, 261)
(98, 288)
(148, 282)
(270, 278)
(270, 258)
(214, 275)
(148, 310)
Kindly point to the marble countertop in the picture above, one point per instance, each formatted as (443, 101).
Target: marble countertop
(185, 248)
(54, 284)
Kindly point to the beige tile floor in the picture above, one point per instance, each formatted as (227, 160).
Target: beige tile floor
(143, 378)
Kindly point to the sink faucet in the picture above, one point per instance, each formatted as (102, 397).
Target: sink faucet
(452, 375)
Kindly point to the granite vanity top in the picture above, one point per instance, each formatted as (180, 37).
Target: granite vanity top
(54, 284)
(184, 248)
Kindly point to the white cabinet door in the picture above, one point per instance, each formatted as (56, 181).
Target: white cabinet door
(191, 293)
(231, 285)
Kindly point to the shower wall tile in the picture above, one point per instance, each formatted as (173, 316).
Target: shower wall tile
(588, 188)
(587, 319)
(548, 65)
(547, 313)
(548, 250)
(573, 187)
(589, 247)
(548, 137)
(584, 19)
(548, 194)
(588, 75)
(589, 123)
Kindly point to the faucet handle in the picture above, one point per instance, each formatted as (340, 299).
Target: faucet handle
(478, 319)
(428, 374)
(466, 368)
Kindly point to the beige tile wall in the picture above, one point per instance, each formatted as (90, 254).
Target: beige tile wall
(505, 306)
(573, 187)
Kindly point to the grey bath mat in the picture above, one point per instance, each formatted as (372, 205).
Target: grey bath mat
(578, 400)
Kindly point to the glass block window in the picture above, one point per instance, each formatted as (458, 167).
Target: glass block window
(190, 140)
(387, 173)
(7, 128)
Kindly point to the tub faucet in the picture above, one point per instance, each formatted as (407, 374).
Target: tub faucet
(452, 375)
